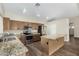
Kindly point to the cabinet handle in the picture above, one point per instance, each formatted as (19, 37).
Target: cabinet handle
(57, 40)
(47, 43)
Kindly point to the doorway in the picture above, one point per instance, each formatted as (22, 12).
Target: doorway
(71, 30)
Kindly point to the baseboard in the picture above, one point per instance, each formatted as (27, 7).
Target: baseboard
(76, 37)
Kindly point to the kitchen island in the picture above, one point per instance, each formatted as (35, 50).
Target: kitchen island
(52, 43)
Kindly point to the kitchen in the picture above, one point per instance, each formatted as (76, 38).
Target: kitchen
(37, 33)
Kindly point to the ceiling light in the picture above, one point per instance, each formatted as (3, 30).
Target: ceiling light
(24, 10)
(47, 17)
(37, 4)
(72, 27)
(38, 15)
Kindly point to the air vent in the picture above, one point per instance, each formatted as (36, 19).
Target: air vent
(50, 20)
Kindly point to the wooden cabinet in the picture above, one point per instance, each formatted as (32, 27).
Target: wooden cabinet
(17, 25)
(13, 25)
(23, 39)
(6, 24)
(20, 25)
(45, 44)
(36, 37)
(52, 44)
(35, 26)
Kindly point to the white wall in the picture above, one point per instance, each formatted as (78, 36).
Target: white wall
(51, 28)
(60, 26)
(75, 20)
(63, 28)
(1, 10)
(1, 24)
(1, 19)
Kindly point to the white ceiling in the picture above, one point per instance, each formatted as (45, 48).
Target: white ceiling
(50, 10)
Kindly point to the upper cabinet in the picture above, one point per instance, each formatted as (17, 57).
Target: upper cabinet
(6, 24)
(17, 25)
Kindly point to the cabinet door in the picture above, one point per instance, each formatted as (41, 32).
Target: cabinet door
(52, 46)
(14, 25)
(36, 37)
(45, 44)
(60, 41)
(23, 39)
(6, 24)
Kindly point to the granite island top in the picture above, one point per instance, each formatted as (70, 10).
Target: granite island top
(53, 37)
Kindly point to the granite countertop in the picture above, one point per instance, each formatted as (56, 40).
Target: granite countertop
(53, 37)
(13, 47)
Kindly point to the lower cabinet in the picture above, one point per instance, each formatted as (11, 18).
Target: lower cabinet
(23, 38)
(36, 37)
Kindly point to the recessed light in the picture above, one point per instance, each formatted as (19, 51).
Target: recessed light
(47, 17)
(38, 15)
(24, 10)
